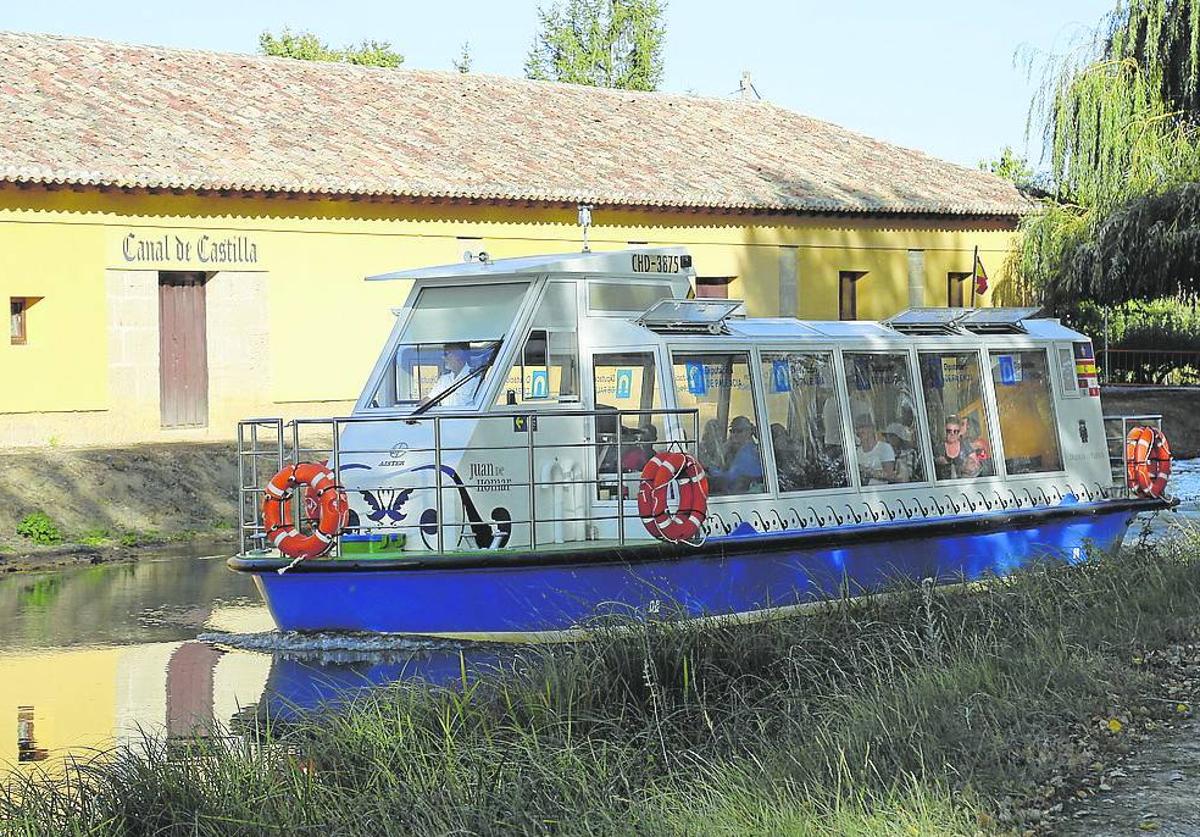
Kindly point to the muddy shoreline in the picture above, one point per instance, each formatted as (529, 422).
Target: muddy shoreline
(68, 555)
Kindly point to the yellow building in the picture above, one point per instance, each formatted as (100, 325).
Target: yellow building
(183, 235)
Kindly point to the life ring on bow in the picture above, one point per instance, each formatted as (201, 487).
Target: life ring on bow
(324, 501)
(1158, 462)
(654, 507)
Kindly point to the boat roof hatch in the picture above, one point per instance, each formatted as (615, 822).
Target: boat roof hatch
(960, 320)
(690, 316)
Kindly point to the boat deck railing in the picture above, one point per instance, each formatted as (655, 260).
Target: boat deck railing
(1116, 431)
(567, 504)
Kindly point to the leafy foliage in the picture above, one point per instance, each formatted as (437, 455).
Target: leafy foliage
(39, 528)
(1122, 136)
(306, 46)
(1011, 167)
(601, 43)
(1139, 324)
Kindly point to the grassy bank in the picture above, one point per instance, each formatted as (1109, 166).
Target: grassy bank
(928, 711)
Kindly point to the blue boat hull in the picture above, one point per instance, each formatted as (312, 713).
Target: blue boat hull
(530, 597)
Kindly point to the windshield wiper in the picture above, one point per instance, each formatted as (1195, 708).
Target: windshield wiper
(433, 401)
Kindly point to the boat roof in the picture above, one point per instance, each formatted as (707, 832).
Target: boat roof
(788, 328)
(616, 262)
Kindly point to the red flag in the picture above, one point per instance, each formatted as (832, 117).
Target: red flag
(981, 277)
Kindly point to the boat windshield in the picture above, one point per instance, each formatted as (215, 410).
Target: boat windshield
(447, 345)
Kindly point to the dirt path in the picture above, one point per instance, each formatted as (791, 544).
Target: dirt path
(1155, 791)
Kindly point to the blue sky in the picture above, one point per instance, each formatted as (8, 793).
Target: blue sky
(936, 75)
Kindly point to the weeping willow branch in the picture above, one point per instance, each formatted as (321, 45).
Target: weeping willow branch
(1121, 129)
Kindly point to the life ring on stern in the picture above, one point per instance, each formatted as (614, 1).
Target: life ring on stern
(1147, 461)
(1159, 463)
(654, 506)
(324, 500)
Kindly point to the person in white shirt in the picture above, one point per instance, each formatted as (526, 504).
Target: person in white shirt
(455, 362)
(876, 458)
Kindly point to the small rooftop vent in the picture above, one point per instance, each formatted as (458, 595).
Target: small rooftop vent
(961, 320)
(690, 316)
(998, 320)
(927, 320)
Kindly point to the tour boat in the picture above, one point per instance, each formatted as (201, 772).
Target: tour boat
(551, 444)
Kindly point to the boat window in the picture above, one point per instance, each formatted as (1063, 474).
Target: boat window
(547, 367)
(1067, 373)
(882, 408)
(804, 420)
(719, 386)
(625, 297)
(957, 415)
(625, 384)
(451, 334)
(1028, 424)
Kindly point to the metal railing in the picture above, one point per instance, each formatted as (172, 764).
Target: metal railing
(1150, 367)
(433, 444)
(1116, 431)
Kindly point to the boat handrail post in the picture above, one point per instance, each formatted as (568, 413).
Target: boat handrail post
(295, 425)
(249, 506)
(620, 483)
(437, 471)
(241, 443)
(335, 460)
(529, 425)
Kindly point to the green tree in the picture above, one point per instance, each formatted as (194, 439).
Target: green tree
(1011, 167)
(1121, 119)
(306, 46)
(602, 43)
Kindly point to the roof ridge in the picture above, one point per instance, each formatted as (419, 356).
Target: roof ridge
(345, 66)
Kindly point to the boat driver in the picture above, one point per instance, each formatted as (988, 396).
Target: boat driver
(454, 359)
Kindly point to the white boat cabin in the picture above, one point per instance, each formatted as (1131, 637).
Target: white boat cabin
(517, 401)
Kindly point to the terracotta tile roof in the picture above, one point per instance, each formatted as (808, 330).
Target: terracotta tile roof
(82, 111)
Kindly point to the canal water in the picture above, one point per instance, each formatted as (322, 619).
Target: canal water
(93, 656)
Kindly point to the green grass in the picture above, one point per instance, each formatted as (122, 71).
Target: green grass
(95, 537)
(920, 712)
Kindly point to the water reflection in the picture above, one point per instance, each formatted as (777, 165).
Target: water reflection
(97, 656)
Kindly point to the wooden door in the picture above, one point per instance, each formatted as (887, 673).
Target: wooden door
(183, 350)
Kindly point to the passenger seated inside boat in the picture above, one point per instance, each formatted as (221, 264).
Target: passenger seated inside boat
(900, 438)
(957, 457)
(789, 460)
(636, 456)
(711, 446)
(876, 458)
(743, 461)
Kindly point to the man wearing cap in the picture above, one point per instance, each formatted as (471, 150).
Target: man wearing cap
(454, 359)
(743, 460)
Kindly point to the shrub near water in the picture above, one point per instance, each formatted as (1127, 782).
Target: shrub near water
(903, 714)
(39, 528)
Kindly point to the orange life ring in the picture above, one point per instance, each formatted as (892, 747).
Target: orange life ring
(324, 500)
(687, 473)
(1159, 463)
(1137, 454)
